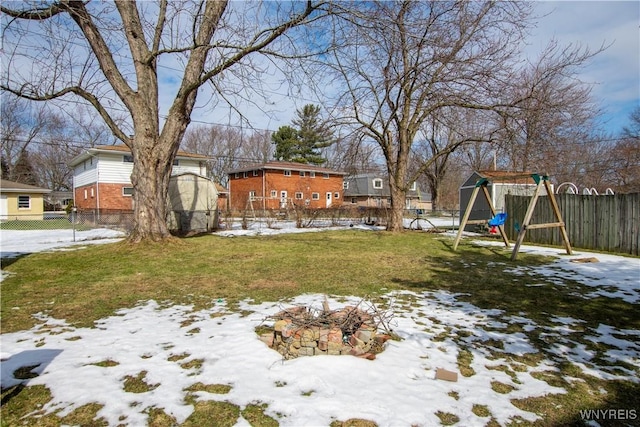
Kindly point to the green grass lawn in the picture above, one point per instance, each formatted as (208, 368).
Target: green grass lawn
(45, 224)
(87, 285)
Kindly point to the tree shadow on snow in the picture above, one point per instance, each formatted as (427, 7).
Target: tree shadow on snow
(18, 369)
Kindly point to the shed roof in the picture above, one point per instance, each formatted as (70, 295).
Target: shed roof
(17, 187)
(499, 176)
(507, 176)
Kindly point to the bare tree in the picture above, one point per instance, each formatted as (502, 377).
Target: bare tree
(21, 126)
(353, 154)
(227, 148)
(220, 143)
(257, 148)
(51, 139)
(625, 157)
(111, 56)
(555, 111)
(444, 131)
(407, 61)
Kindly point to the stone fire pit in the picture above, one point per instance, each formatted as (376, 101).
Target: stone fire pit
(303, 331)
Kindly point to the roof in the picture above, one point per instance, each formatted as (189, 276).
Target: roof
(293, 166)
(121, 148)
(499, 177)
(17, 187)
(221, 189)
(507, 176)
(192, 174)
(362, 185)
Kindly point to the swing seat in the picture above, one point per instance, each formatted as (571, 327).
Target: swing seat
(496, 221)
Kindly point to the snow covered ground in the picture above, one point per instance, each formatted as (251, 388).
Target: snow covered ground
(15, 243)
(398, 388)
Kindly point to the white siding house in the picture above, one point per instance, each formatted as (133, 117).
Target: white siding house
(102, 176)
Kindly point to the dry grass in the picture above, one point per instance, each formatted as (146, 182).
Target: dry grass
(86, 285)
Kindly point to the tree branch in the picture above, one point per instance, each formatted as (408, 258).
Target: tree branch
(34, 14)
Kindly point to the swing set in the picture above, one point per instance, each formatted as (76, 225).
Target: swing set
(496, 222)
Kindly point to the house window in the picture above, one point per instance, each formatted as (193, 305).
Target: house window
(252, 195)
(245, 175)
(302, 173)
(413, 187)
(312, 174)
(92, 193)
(287, 173)
(24, 202)
(377, 183)
(345, 185)
(127, 191)
(255, 173)
(325, 175)
(354, 200)
(176, 162)
(315, 196)
(274, 193)
(299, 196)
(85, 194)
(336, 195)
(127, 158)
(236, 175)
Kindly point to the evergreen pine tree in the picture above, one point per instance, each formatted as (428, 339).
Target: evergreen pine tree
(286, 141)
(4, 169)
(313, 134)
(304, 143)
(23, 170)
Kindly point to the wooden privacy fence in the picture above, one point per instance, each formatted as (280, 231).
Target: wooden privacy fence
(608, 223)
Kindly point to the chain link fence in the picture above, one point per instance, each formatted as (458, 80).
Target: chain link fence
(330, 217)
(72, 221)
(185, 222)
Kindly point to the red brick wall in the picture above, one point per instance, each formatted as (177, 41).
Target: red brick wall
(239, 189)
(110, 197)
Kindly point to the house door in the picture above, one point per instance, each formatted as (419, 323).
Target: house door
(283, 200)
(328, 198)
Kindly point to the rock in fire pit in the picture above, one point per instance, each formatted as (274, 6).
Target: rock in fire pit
(303, 331)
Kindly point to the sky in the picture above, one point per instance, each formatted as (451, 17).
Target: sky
(614, 74)
(397, 388)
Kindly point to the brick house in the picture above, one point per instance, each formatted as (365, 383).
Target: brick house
(102, 176)
(281, 185)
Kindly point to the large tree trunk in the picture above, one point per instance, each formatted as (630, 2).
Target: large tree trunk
(396, 214)
(435, 198)
(150, 179)
(397, 180)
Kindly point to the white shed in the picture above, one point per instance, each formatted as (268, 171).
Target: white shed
(193, 203)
